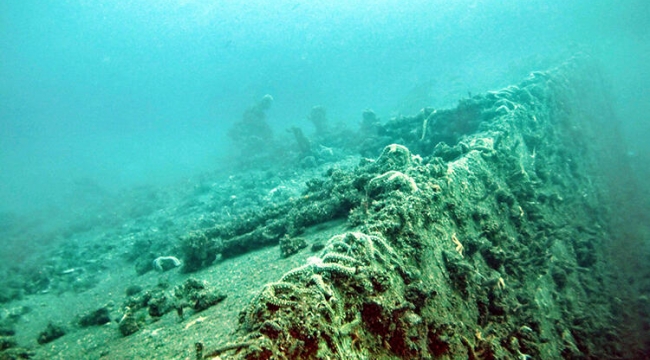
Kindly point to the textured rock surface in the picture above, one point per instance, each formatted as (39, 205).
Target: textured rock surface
(478, 235)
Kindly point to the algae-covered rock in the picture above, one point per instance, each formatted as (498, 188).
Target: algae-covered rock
(291, 245)
(352, 263)
(6, 342)
(199, 250)
(325, 199)
(198, 294)
(51, 333)
(132, 290)
(391, 181)
(466, 250)
(100, 316)
(128, 325)
(394, 157)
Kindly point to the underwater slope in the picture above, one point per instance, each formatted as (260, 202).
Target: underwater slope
(496, 229)
(477, 233)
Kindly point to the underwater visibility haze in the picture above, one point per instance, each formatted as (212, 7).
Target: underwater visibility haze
(142, 92)
(155, 155)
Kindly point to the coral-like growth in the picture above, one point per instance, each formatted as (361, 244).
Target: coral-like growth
(310, 312)
(394, 157)
(199, 250)
(290, 245)
(423, 273)
(390, 181)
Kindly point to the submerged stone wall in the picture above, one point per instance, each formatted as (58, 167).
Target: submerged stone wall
(477, 233)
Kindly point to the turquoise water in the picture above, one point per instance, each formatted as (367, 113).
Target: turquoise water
(138, 136)
(100, 96)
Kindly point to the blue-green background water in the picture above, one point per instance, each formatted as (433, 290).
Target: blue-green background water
(105, 95)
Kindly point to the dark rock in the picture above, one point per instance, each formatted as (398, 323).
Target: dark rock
(7, 342)
(51, 333)
(133, 290)
(97, 317)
